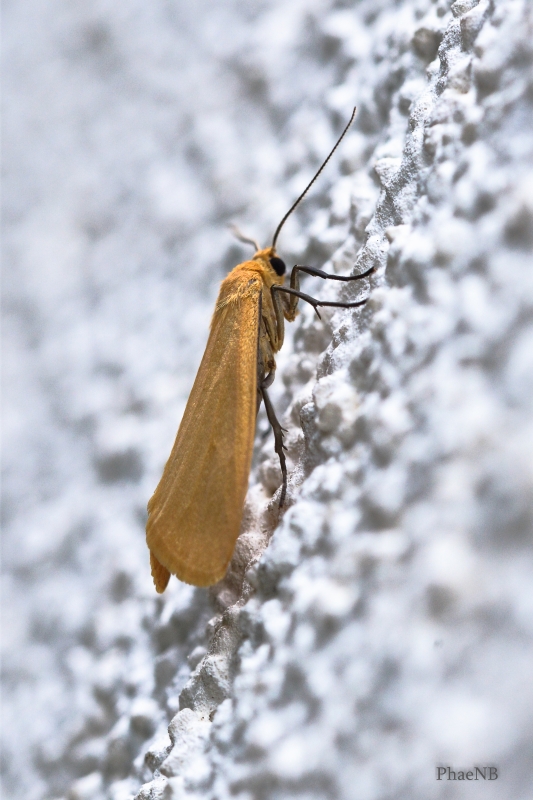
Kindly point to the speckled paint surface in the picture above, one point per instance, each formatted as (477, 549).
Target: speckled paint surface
(383, 624)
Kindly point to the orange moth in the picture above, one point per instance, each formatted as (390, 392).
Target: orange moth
(194, 515)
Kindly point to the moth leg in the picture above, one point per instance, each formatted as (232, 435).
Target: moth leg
(318, 273)
(268, 381)
(281, 310)
(313, 301)
(278, 437)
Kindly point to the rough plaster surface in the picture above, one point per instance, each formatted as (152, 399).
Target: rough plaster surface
(382, 625)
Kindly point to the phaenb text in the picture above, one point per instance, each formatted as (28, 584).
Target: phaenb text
(474, 774)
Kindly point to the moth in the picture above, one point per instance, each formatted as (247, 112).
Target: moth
(195, 513)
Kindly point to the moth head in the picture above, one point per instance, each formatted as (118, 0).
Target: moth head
(268, 255)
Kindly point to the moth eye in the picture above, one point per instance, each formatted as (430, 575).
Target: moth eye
(278, 265)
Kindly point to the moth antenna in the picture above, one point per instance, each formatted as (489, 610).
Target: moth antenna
(291, 209)
(241, 236)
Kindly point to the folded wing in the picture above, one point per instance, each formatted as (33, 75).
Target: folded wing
(195, 513)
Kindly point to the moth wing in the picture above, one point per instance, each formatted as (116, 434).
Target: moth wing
(194, 516)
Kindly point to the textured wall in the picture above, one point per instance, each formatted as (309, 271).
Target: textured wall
(387, 627)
